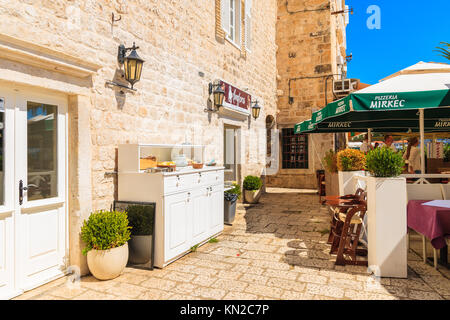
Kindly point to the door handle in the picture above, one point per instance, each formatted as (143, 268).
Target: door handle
(21, 190)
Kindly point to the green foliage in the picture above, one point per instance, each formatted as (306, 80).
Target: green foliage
(444, 52)
(213, 240)
(194, 248)
(105, 230)
(447, 152)
(252, 183)
(236, 190)
(141, 219)
(383, 162)
(330, 161)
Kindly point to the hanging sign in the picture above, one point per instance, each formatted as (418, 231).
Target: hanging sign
(236, 99)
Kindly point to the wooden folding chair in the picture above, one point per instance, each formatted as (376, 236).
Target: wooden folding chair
(349, 236)
(336, 223)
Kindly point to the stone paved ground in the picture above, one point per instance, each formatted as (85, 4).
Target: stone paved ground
(275, 250)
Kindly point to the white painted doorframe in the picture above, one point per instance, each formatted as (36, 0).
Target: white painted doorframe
(39, 241)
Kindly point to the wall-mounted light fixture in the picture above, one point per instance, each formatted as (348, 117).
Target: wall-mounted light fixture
(349, 58)
(132, 66)
(218, 91)
(256, 109)
(343, 11)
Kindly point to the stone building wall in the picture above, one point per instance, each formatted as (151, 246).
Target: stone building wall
(182, 52)
(309, 39)
(177, 40)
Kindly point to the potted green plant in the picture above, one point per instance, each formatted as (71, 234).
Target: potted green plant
(252, 189)
(230, 198)
(387, 220)
(106, 235)
(331, 173)
(140, 219)
(350, 162)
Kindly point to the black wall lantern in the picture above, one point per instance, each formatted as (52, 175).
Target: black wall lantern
(218, 92)
(256, 109)
(132, 65)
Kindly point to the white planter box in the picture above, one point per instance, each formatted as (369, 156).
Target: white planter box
(387, 226)
(348, 185)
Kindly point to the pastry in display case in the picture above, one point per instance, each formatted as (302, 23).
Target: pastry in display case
(147, 162)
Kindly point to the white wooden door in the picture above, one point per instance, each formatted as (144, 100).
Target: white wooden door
(200, 214)
(215, 209)
(178, 224)
(41, 175)
(33, 229)
(7, 196)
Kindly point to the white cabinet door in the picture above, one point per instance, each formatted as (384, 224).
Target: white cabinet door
(177, 224)
(200, 214)
(215, 209)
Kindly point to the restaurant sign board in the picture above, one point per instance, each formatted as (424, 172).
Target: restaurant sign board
(235, 98)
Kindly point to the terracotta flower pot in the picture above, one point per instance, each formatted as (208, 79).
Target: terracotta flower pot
(107, 264)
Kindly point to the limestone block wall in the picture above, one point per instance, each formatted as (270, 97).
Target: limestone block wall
(306, 61)
(177, 40)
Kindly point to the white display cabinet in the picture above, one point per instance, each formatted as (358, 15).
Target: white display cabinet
(189, 202)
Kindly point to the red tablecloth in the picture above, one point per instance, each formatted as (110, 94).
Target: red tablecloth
(432, 222)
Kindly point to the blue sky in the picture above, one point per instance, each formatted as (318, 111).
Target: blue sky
(410, 31)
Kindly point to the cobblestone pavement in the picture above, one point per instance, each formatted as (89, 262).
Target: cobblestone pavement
(275, 250)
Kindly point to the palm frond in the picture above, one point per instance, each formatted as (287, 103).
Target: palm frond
(444, 52)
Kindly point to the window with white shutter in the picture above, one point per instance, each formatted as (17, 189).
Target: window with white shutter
(225, 15)
(231, 20)
(248, 24)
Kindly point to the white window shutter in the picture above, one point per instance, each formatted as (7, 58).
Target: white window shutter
(248, 24)
(225, 15)
(238, 14)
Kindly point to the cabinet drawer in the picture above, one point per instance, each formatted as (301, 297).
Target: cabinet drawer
(177, 183)
(215, 177)
(199, 179)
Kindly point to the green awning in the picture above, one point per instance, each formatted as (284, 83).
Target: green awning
(389, 106)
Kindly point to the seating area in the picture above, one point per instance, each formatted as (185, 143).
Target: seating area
(426, 192)
(347, 224)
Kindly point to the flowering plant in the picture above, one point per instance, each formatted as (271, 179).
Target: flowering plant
(351, 160)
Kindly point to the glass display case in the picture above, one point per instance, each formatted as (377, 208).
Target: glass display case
(145, 157)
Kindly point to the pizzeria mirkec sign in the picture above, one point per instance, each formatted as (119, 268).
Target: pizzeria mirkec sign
(236, 99)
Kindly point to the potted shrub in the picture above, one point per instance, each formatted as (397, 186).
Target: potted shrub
(386, 219)
(331, 173)
(252, 189)
(141, 222)
(230, 198)
(105, 234)
(350, 162)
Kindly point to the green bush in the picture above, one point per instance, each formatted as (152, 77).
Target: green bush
(330, 160)
(140, 219)
(383, 162)
(252, 183)
(105, 230)
(236, 190)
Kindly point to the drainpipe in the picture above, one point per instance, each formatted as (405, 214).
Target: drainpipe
(422, 140)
